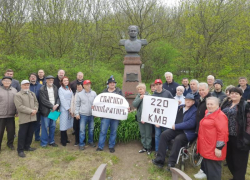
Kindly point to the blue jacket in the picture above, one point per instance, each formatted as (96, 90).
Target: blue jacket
(189, 123)
(171, 87)
(35, 88)
(187, 91)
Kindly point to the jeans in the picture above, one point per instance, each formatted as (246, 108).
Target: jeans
(105, 123)
(158, 131)
(47, 137)
(83, 122)
(37, 126)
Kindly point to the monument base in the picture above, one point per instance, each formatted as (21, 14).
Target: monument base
(131, 77)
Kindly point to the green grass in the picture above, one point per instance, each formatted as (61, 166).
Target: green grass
(70, 163)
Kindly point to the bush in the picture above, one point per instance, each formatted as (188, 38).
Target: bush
(127, 130)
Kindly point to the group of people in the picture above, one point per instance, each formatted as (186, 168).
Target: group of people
(38, 97)
(219, 121)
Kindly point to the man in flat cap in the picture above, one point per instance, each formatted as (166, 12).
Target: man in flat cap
(49, 101)
(27, 107)
(7, 111)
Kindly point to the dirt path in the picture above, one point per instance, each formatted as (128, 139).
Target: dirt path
(131, 164)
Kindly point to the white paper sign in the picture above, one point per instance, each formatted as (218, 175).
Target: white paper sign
(110, 105)
(160, 111)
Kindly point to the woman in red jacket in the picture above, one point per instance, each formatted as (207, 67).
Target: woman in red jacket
(212, 139)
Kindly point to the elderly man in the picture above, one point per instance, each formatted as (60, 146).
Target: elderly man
(160, 92)
(170, 85)
(49, 101)
(41, 77)
(27, 107)
(194, 90)
(35, 88)
(210, 82)
(245, 88)
(182, 132)
(14, 83)
(60, 75)
(7, 111)
(218, 84)
(185, 84)
(204, 94)
(79, 79)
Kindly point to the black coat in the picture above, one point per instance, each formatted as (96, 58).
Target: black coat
(221, 95)
(44, 105)
(241, 119)
(171, 87)
(57, 82)
(116, 91)
(200, 113)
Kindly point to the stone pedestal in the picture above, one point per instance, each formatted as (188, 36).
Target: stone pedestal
(131, 77)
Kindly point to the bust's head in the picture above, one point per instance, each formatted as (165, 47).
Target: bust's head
(133, 31)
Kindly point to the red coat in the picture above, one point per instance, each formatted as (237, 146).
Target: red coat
(213, 128)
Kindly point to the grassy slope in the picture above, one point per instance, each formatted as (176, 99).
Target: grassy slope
(67, 163)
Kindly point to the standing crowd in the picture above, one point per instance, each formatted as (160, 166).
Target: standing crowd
(219, 121)
(38, 98)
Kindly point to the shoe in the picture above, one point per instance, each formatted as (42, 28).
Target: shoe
(143, 150)
(111, 150)
(21, 154)
(170, 166)
(148, 152)
(30, 149)
(200, 175)
(11, 147)
(157, 163)
(92, 144)
(67, 141)
(99, 149)
(44, 146)
(53, 145)
(76, 144)
(81, 148)
(63, 144)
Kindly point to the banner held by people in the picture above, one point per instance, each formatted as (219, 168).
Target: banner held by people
(110, 105)
(159, 111)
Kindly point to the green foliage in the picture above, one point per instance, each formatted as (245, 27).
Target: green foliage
(127, 130)
(193, 40)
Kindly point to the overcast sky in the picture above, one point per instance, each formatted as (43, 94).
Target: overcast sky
(170, 2)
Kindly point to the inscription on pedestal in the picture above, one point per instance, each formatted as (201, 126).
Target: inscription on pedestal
(132, 77)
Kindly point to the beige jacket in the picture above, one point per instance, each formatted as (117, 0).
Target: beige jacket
(7, 106)
(25, 104)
